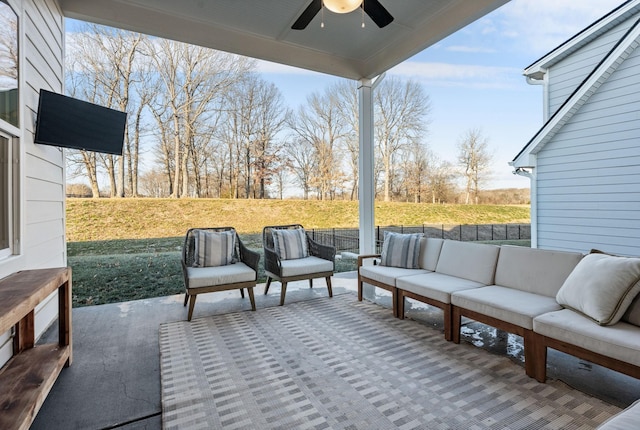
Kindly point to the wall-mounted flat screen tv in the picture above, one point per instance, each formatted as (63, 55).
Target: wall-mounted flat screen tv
(71, 123)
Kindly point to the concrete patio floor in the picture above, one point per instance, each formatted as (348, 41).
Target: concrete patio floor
(114, 381)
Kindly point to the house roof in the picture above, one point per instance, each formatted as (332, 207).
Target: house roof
(587, 35)
(605, 68)
(262, 29)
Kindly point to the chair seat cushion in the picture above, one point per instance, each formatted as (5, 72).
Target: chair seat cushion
(506, 304)
(620, 341)
(307, 265)
(388, 275)
(435, 286)
(220, 275)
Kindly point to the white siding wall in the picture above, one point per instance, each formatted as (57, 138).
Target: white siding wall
(42, 172)
(588, 176)
(565, 76)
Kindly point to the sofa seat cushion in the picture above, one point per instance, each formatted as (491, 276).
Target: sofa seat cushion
(303, 266)
(221, 275)
(506, 304)
(388, 275)
(435, 286)
(620, 341)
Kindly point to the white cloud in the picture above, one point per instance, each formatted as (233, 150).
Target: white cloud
(471, 49)
(541, 25)
(459, 75)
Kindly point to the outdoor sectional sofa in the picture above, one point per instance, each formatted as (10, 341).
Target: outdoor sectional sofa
(541, 295)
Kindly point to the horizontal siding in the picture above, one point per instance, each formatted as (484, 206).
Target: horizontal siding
(566, 75)
(588, 175)
(42, 174)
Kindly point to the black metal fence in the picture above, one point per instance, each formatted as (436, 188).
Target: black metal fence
(347, 239)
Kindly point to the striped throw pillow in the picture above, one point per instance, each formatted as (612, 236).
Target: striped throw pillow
(214, 248)
(401, 250)
(290, 244)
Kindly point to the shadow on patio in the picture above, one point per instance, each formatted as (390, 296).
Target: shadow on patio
(114, 381)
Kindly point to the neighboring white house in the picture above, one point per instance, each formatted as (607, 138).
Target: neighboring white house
(32, 206)
(584, 163)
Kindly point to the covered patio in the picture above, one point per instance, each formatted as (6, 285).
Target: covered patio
(115, 379)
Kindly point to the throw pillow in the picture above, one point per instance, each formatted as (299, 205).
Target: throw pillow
(401, 250)
(632, 315)
(214, 248)
(601, 287)
(290, 244)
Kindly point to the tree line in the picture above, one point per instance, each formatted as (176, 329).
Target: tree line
(208, 125)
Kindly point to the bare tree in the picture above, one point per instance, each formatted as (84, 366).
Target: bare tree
(474, 159)
(300, 153)
(347, 98)
(193, 78)
(415, 169)
(9, 51)
(401, 109)
(102, 69)
(321, 126)
(441, 177)
(254, 115)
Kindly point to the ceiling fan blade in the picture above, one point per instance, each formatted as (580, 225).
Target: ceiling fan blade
(377, 13)
(309, 13)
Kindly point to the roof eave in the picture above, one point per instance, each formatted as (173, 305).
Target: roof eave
(587, 34)
(625, 46)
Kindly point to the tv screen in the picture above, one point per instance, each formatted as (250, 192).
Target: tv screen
(71, 123)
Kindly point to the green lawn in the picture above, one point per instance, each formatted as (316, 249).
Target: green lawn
(114, 259)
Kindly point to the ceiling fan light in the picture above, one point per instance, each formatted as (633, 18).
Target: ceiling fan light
(342, 6)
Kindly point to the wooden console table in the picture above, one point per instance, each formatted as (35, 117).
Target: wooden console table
(27, 378)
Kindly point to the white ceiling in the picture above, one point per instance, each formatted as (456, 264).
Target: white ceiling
(262, 29)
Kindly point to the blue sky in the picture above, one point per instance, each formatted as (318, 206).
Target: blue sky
(474, 77)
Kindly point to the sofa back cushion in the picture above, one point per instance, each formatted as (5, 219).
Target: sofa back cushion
(429, 253)
(468, 260)
(539, 271)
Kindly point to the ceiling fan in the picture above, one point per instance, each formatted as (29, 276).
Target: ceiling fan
(373, 8)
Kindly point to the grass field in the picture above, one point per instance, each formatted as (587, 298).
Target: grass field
(107, 219)
(129, 249)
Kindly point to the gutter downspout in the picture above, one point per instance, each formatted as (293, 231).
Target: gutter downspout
(541, 77)
(528, 172)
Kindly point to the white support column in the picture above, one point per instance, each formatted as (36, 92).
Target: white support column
(366, 185)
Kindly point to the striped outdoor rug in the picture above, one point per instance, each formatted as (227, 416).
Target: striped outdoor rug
(342, 364)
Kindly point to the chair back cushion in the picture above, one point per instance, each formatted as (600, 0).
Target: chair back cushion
(401, 250)
(290, 244)
(214, 248)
